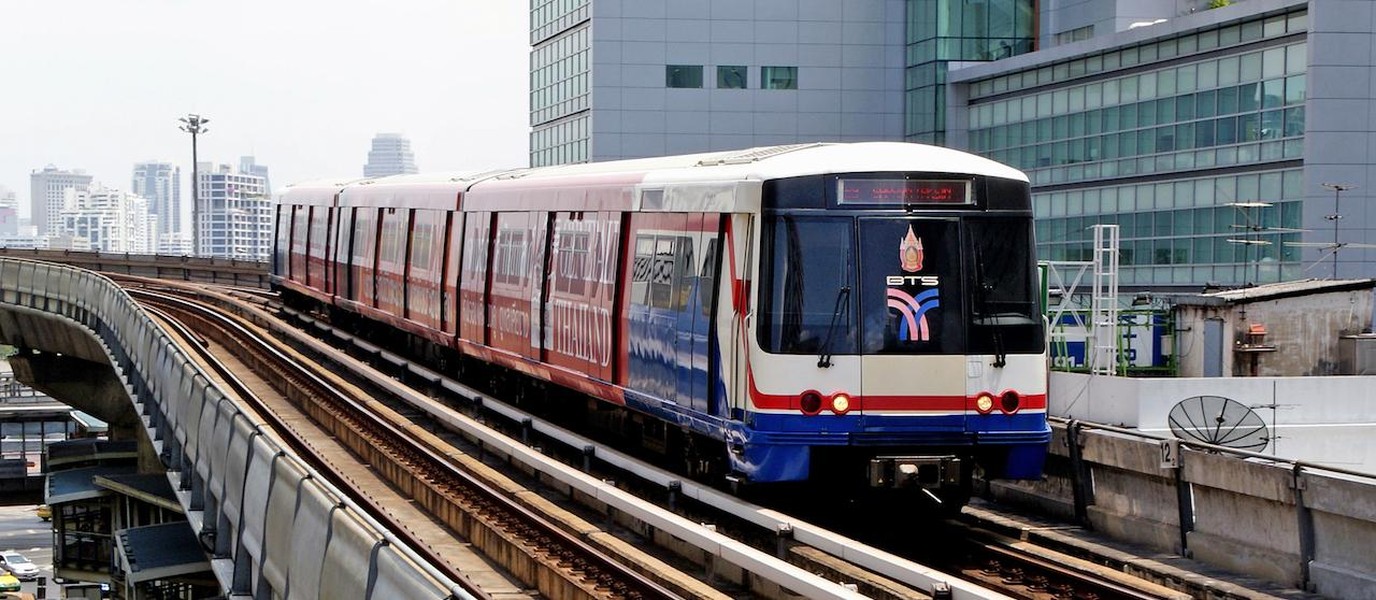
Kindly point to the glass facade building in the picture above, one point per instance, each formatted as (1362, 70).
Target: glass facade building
(942, 31)
(1215, 121)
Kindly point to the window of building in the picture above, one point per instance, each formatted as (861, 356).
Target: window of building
(779, 78)
(732, 77)
(683, 76)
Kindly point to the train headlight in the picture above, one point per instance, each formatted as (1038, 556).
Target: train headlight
(984, 403)
(1010, 402)
(810, 403)
(840, 403)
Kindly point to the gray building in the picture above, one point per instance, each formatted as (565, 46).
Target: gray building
(390, 155)
(47, 190)
(613, 79)
(1230, 145)
(161, 184)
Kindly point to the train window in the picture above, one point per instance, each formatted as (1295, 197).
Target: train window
(1004, 316)
(572, 246)
(910, 287)
(707, 280)
(663, 272)
(509, 264)
(806, 282)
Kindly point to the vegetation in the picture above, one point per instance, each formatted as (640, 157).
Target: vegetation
(1219, 3)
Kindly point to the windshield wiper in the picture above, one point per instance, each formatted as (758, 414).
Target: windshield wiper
(982, 290)
(824, 358)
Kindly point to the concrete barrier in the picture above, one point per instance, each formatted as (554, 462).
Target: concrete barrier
(1289, 522)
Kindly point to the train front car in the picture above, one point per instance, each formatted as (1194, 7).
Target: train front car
(897, 338)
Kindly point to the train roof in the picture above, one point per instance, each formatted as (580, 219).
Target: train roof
(703, 181)
(774, 162)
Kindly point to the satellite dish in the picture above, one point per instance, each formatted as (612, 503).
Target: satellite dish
(1219, 421)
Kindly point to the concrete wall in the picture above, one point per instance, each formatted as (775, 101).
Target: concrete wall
(1326, 420)
(1296, 526)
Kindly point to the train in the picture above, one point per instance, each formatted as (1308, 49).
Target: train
(858, 314)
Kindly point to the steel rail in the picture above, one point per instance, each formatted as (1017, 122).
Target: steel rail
(577, 555)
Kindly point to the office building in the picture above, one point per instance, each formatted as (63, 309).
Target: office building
(161, 184)
(613, 80)
(1228, 144)
(234, 219)
(390, 155)
(48, 190)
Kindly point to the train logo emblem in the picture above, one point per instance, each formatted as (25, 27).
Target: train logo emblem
(912, 308)
(910, 252)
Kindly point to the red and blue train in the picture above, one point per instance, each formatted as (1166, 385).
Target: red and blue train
(859, 313)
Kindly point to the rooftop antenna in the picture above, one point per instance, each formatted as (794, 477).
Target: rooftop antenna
(1338, 189)
(1219, 421)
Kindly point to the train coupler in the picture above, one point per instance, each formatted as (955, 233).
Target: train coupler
(914, 471)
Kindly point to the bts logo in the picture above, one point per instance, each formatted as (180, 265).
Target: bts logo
(912, 308)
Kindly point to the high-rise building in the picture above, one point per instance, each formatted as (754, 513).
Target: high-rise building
(1227, 144)
(161, 184)
(248, 166)
(235, 216)
(48, 189)
(110, 220)
(390, 155)
(624, 80)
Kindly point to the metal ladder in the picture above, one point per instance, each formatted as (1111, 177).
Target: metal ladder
(1103, 345)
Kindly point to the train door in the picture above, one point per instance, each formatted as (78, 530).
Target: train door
(475, 276)
(453, 251)
(912, 334)
(363, 258)
(658, 246)
(518, 262)
(343, 251)
(736, 274)
(694, 288)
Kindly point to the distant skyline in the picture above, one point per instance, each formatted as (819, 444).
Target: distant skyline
(302, 86)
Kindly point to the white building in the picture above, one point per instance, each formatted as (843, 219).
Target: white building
(9, 212)
(161, 184)
(391, 155)
(47, 192)
(111, 220)
(234, 219)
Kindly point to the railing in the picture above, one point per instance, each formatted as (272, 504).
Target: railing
(1291, 522)
(260, 497)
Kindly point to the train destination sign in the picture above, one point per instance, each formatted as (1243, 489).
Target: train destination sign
(902, 191)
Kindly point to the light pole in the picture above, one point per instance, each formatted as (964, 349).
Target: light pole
(1338, 189)
(194, 124)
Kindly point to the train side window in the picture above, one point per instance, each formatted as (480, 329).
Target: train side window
(662, 274)
(707, 280)
(640, 269)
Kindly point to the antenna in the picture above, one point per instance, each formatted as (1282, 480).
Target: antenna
(1254, 227)
(1338, 189)
(1219, 421)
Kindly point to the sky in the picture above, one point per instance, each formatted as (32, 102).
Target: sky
(301, 85)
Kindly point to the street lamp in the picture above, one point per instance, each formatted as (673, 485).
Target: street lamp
(194, 124)
(1338, 189)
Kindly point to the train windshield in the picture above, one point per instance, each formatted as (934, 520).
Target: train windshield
(810, 307)
(899, 285)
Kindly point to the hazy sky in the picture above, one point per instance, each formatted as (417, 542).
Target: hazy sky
(302, 85)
